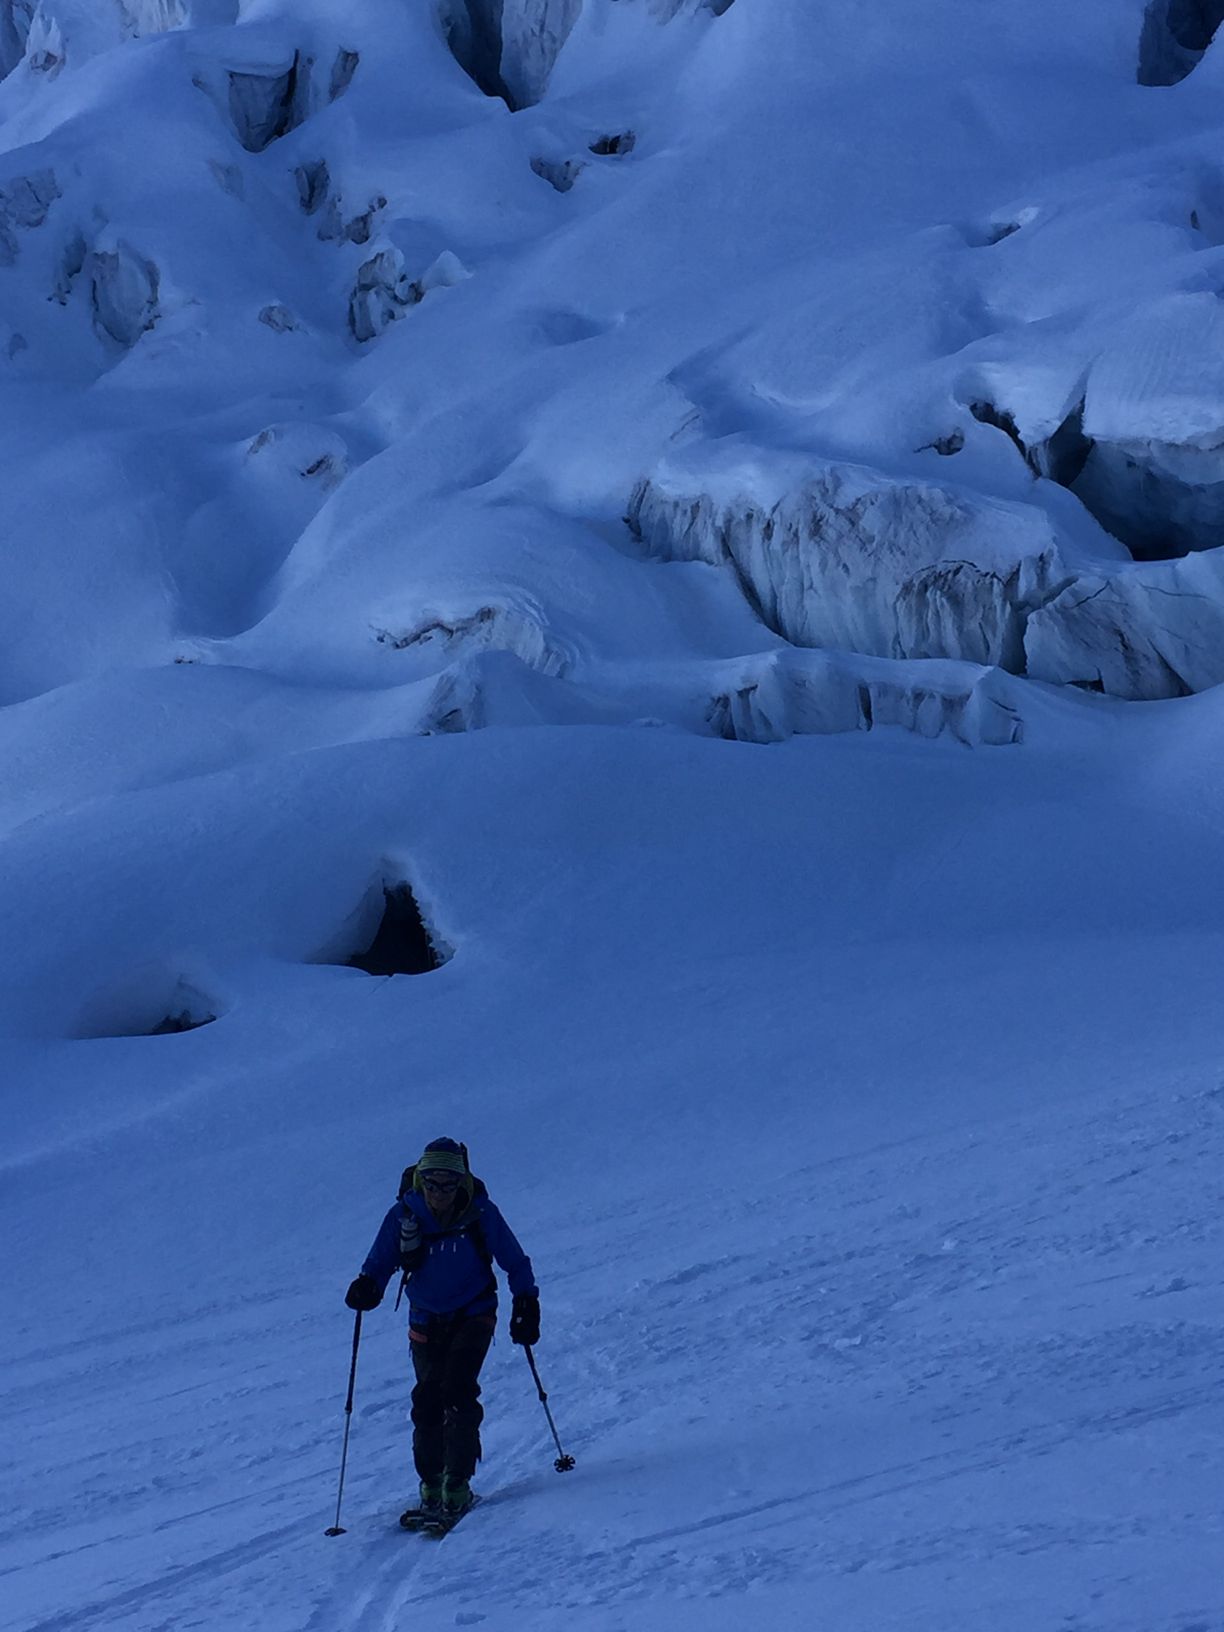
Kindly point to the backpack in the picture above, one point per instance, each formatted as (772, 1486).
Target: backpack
(471, 1227)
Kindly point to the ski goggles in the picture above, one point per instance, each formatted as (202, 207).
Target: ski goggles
(445, 1183)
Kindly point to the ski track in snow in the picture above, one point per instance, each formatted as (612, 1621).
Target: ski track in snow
(1008, 1337)
(859, 1097)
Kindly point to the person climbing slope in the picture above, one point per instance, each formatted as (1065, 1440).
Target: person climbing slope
(445, 1233)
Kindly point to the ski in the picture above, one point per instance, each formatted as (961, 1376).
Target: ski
(433, 1524)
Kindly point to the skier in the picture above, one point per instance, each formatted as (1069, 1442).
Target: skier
(445, 1233)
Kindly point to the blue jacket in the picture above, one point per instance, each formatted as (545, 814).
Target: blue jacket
(451, 1275)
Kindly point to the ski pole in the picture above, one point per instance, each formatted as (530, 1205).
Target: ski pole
(337, 1529)
(563, 1463)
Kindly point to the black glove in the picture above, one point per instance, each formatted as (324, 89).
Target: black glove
(363, 1294)
(525, 1319)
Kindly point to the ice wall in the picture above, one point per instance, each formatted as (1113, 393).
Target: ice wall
(793, 693)
(844, 558)
(509, 47)
(1153, 420)
(1143, 447)
(840, 556)
(1145, 632)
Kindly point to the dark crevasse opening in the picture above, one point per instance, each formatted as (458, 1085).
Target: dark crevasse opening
(265, 107)
(401, 945)
(147, 1003)
(14, 32)
(473, 30)
(1175, 35)
(510, 47)
(622, 142)
(184, 1020)
(1158, 513)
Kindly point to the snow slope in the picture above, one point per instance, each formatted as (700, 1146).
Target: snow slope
(859, 1103)
(832, 1001)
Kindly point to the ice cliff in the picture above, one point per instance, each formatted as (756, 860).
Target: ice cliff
(509, 47)
(839, 556)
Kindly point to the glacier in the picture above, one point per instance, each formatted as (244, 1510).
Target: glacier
(717, 507)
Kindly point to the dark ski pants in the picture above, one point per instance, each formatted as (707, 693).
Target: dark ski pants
(446, 1411)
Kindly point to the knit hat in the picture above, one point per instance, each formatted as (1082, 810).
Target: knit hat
(444, 1156)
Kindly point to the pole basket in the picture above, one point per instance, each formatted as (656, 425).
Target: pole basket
(563, 1463)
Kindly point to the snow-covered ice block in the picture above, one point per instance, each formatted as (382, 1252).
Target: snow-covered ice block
(510, 47)
(790, 693)
(1154, 420)
(1162, 378)
(24, 202)
(383, 291)
(124, 292)
(48, 33)
(838, 555)
(533, 33)
(1148, 631)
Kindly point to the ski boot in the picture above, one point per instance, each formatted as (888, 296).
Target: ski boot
(457, 1497)
(429, 1509)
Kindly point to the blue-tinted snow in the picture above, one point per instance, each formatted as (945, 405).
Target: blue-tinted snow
(854, 1085)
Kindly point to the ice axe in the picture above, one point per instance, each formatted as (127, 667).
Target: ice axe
(563, 1463)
